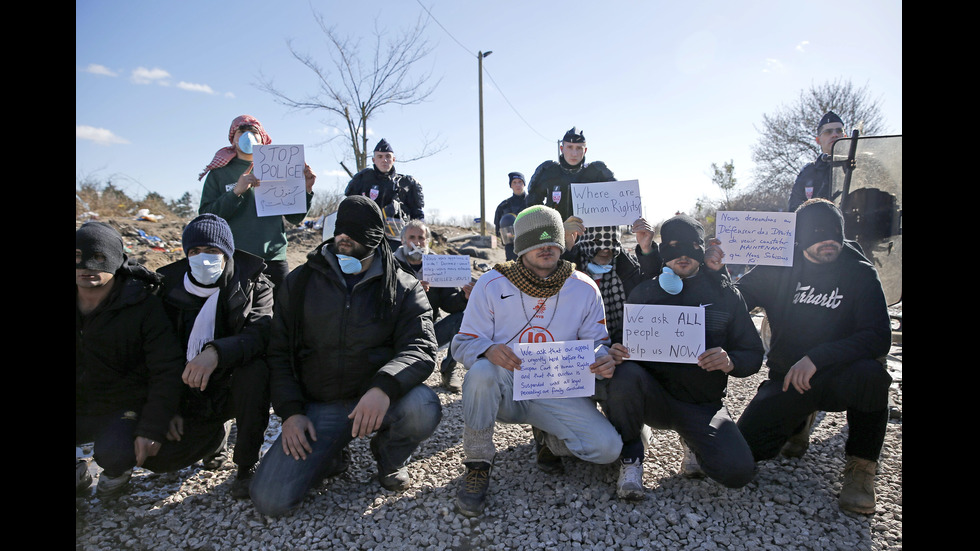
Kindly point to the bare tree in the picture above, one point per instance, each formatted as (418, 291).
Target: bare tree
(358, 86)
(787, 136)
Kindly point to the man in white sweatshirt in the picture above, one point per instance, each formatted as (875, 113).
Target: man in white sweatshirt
(536, 298)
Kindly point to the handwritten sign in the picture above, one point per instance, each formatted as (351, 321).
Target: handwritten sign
(763, 238)
(554, 370)
(446, 270)
(607, 203)
(282, 188)
(661, 333)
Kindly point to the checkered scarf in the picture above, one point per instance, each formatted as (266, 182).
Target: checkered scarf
(610, 285)
(532, 285)
(224, 155)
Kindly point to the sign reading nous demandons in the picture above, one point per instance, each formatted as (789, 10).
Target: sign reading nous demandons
(446, 270)
(554, 370)
(661, 333)
(607, 203)
(763, 238)
(282, 185)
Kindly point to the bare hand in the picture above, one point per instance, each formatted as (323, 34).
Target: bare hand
(713, 256)
(425, 286)
(619, 352)
(574, 227)
(144, 448)
(644, 235)
(799, 375)
(369, 412)
(245, 181)
(714, 359)
(294, 430)
(176, 429)
(467, 289)
(198, 371)
(604, 366)
(310, 177)
(503, 356)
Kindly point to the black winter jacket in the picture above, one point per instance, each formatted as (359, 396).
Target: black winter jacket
(816, 175)
(127, 358)
(554, 179)
(727, 324)
(511, 205)
(388, 187)
(327, 344)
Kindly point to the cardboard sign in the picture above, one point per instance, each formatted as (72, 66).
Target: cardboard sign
(554, 370)
(282, 185)
(607, 203)
(763, 238)
(446, 270)
(660, 333)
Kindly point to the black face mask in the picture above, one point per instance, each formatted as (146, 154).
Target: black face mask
(101, 247)
(819, 222)
(670, 252)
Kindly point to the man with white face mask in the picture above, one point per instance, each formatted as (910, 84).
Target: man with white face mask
(220, 304)
(451, 300)
(228, 193)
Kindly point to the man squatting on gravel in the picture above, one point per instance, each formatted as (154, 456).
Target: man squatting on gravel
(830, 334)
(352, 344)
(680, 396)
(538, 295)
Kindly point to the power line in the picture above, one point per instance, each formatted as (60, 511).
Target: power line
(495, 85)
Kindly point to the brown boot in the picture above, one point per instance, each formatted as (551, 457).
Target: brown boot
(858, 491)
(798, 442)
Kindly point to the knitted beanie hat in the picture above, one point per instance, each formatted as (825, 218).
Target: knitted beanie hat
(101, 247)
(538, 226)
(818, 220)
(209, 230)
(689, 235)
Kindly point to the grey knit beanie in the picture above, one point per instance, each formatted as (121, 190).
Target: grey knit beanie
(538, 226)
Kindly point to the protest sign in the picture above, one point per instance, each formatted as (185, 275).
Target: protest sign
(446, 270)
(554, 370)
(661, 333)
(762, 238)
(282, 184)
(607, 203)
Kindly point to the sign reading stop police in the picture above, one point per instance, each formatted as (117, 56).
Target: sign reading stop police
(282, 186)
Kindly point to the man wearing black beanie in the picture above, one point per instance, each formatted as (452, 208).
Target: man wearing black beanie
(127, 366)
(684, 397)
(830, 333)
(352, 344)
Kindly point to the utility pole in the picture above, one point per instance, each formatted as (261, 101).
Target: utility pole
(483, 200)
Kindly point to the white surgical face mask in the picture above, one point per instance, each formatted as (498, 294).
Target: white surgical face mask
(206, 268)
(349, 264)
(246, 141)
(598, 269)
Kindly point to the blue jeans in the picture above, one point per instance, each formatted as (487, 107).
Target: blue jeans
(281, 482)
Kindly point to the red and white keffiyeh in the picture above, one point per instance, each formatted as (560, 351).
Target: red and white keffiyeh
(226, 154)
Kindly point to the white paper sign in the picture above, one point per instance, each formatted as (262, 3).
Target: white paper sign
(763, 238)
(554, 370)
(282, 185)
(607, 203)
(329, 223)
(661, 333)
(446, 270)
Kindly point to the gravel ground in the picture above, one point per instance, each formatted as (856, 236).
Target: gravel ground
(792, 503)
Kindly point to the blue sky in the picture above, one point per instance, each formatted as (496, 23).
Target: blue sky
(661, 89)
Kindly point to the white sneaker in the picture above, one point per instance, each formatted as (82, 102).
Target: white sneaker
(630, 485)
(689, 463)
